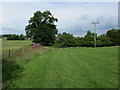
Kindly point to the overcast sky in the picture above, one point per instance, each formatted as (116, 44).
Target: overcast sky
(73, 17)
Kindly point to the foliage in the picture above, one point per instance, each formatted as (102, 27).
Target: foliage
(36, 45)
(14, 45)
(104, 40)
(21, 37)
(11, 70)
(0, 36)
(89, 39)
(114, 35)
(68, 40)
(6, 35)
(14, 37)
(65, 40)
(41, 28)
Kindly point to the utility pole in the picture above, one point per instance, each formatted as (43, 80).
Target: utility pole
(95, 32)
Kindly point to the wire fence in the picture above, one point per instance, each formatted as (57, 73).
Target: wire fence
(20, 51)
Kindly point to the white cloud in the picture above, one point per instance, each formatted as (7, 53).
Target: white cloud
(68, 16)
(84, 24)
(73, 12)
(75, 18)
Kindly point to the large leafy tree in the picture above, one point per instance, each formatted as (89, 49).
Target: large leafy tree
(114, 35)
(41, 28)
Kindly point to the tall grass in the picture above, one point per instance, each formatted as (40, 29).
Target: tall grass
(13, 66)
(15, 44)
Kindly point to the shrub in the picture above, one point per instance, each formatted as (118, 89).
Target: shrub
(15, 37)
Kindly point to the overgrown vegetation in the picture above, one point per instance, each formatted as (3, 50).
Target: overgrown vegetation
(14, 45)
(114, 36)
(13, 66)
(13, 37)
(111, 38)
(10, 71)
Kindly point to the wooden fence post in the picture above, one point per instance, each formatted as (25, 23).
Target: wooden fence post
(25, 49)
(9, 52)
(20, 49)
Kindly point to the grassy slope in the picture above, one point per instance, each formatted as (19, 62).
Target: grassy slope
(71, 68)
(15, 44)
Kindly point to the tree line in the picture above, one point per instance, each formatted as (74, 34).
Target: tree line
(14, 36)
(41, 29)
(111, 38)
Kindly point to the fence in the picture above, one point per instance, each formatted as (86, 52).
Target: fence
(20, 51)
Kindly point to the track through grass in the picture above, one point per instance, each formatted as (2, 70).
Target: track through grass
(71, 68)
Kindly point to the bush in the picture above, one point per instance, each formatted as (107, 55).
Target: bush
(65, 40)
(15, 37)
(104, 40)
(10, 70)
(68, 40)
(114, 36)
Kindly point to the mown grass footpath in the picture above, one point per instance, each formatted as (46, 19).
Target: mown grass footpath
(70, 68)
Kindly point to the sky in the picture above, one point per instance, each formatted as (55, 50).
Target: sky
(73, 17)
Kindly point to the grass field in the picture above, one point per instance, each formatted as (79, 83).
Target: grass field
(69, 68)
(15, 44)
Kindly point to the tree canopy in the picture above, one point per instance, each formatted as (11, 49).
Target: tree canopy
(14, 36)
(112, 37)
(41, 28)
(65, 40)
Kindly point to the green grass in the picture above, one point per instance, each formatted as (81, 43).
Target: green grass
(70, 68)
(61, 68)
(15, 44)
(14, 47)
